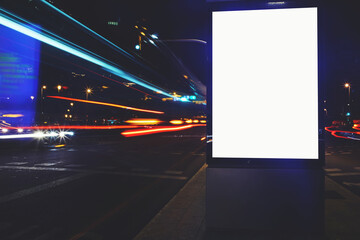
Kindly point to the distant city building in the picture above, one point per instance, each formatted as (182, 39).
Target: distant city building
(112, 23)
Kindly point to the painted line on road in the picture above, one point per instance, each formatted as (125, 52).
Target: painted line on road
(344, 174)
(17, 163)
(333, 170)
(39, 188)
(131, 174)
(75, 165)
(46, 164)
(173, 172)
(351, 184)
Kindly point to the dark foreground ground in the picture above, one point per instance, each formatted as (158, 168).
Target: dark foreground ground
(94, 188)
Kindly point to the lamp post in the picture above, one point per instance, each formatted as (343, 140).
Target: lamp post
(42, 91)
(88, 91)
(347, 85)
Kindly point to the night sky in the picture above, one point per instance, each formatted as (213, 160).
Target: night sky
(188, 19)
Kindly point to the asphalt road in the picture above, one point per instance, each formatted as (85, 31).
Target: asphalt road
(99, 187)
(342, 162)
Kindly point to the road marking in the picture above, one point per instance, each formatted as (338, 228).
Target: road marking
(343, 174)
(173, 172)
(345, 152)
(75, 165)
(39, 188)
(198, 154)
(333, 170)
(62, 169)
(17, 163)
(176, 153)
(351, 184)
(46, 164)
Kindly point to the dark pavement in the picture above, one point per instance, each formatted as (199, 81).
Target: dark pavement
(105, 188)
(184, 216)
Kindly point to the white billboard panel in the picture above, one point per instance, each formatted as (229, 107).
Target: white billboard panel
(265, 84)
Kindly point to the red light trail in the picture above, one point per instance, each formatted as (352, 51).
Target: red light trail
(82, 127)
(140, 132)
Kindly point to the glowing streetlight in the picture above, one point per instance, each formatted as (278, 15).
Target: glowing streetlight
(42, 90)
(59, 88)
(347, 85)
(88, 91)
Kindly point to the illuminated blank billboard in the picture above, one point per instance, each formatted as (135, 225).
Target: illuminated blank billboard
(265, 84)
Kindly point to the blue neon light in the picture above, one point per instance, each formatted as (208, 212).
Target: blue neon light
(82, 25)
(19, 68)
(76, 52)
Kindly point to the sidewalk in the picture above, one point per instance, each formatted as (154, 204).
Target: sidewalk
(184, 216)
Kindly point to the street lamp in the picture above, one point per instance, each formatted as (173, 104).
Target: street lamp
(42, 90)
(88, 91)
(347, 85)
(59, 88)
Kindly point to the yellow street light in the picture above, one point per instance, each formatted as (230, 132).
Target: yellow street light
(44, 86)
(347, 85)
(59, 88)
(88, 91)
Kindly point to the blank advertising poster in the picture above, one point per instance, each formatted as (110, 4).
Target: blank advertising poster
(265, 84)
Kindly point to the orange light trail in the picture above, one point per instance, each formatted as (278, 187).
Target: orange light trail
(107, 104)
(143, 121)
(12, 115)
(134, 133)
(176, 122)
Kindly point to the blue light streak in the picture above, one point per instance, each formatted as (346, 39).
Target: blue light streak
(82, 25)
(13, 24)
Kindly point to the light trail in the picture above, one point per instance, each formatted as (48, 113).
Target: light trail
(334, 132)
(36, 135)
(78, 127)
(176, 122)
(134, 133)
(107, 104)
(143, 121)
(76, 51)
(90, 30)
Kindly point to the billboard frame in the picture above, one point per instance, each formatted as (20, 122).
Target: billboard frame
(267, 163)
